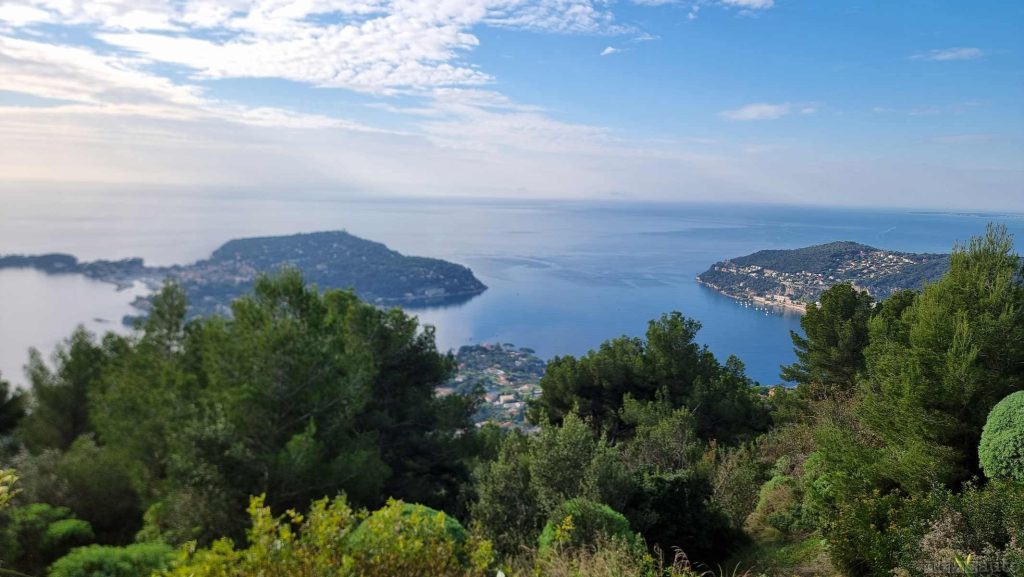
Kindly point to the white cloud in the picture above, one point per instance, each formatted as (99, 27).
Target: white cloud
(945, 54)
(758, 111)
(375, 46)
(749, 4)
(609, 50)
(80, 81)
(645, 37)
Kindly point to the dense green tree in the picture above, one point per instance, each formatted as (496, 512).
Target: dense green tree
(669, 364)
(675, 510)
(931, 384)
(831, 354)
(936, 364)
(88, 479)
(297, 395)
(12, 407)
(507, 507)
(59, 408)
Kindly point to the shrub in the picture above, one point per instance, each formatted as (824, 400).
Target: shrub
(399, 540)
(138, 560)
(33, 536)
(1001, 450)
(778, 509)
(66, 531)
(606, 558)
(675, 511)
(407, 539)
(7, 491)
(580, 522)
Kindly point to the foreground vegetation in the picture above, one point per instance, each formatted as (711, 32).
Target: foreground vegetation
(303, 436)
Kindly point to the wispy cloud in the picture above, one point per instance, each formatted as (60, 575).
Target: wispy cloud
(758, 111)
(750, 4)
(946, 54)
(609, 50)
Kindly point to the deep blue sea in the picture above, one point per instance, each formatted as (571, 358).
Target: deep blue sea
(562, 276)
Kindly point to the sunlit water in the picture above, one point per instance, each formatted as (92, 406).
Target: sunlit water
(562, 276)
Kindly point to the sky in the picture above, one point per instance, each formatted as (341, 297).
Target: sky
(904, 104)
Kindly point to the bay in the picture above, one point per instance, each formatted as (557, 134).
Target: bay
(562, 276)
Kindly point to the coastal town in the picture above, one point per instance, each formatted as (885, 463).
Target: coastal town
(788, 279)
(508, 376)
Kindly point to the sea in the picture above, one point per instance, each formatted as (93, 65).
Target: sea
(563, 276)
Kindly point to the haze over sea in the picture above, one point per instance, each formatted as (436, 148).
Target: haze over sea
(562, 276)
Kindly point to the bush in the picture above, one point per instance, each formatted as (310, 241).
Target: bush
(606, 558)
(33, 536)
(399, 540)
(580, 522)
(778, 509)
(138, 560)
(1001, 450)
(675, 511)
(406, 539)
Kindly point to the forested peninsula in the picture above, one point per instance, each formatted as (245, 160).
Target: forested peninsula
(335, 259)
(793, 278)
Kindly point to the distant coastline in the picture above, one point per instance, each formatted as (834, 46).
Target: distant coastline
(788, 279)
(767, 301)
(333, 259)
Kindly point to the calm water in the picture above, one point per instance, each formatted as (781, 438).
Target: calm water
(562, 276)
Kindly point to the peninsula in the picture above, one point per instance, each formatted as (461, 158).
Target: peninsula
(335, 259)
(791, 278)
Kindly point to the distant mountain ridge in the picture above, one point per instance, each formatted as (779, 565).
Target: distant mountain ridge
(333, 259)
(791, 278)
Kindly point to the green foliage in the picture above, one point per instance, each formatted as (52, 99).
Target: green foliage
(290, 397)
(12, 407)
(929, 393)
(1001, 451)
(100, 490)
(669, 364)
(534, 475)
(507, 507)
(676, 510)
(581, 522)
(736, 482)
(66, 531)
(300, 394)
(59, 404)
(936, 364)
(7, 491)
(606, 558)
(778, 509)
(664, 437)
(404, 539)
(33, 536)
(88, 479)
(831, 355)
(137, 560)
(399, 540)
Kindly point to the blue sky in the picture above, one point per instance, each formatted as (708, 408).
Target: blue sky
(910, 103)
